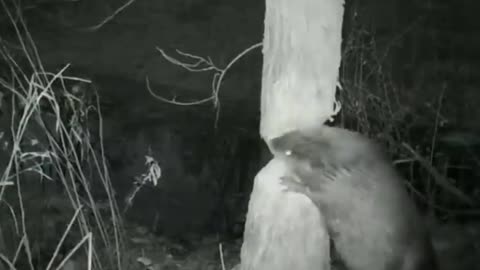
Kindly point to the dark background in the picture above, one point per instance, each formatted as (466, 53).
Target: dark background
(417, 60)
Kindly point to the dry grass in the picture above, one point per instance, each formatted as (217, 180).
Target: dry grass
(374, 104)
(50, 145)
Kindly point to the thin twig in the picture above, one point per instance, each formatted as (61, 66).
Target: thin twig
(441, 180)
(201, 64)
(110, 17)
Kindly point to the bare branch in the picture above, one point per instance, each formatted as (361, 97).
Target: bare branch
(109, 18)
(201, 64)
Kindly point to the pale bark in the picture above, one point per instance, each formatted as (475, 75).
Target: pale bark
(284, 231)
(301, 59)
(301, 50)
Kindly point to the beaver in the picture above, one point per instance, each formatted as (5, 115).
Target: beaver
(371, 220)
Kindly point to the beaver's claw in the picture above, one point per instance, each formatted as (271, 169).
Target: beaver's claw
(292, 185)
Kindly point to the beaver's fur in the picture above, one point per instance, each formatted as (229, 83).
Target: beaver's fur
(373, 222)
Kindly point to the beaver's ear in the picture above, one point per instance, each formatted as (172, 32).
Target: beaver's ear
(275, 144)
(286, 141)
(281, 142)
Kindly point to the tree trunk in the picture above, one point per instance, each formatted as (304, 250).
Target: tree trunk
(301, 51)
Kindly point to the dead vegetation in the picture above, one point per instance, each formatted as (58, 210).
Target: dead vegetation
(57, 205)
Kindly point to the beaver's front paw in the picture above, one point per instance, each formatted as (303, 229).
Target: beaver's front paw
(292, 185)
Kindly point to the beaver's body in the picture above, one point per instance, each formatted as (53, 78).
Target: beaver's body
(371, 219)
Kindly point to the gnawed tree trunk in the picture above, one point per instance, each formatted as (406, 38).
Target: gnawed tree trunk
(301, 51)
